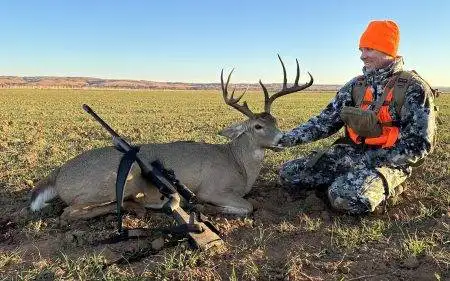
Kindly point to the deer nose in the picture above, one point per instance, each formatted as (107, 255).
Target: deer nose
(278, 137)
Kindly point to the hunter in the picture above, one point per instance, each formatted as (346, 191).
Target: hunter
(389, 119)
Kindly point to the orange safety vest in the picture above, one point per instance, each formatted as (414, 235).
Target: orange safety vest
(395, 91)
(390, 132)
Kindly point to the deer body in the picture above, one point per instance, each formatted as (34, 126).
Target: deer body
(219, 174)
(229, 168)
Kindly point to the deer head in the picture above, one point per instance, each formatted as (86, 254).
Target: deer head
(262, 127)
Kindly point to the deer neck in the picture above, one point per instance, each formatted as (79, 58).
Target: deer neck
(248, 157)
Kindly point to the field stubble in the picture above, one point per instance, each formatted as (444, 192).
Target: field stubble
(282, 240)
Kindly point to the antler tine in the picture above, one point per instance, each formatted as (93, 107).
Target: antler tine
(284, 72)
(285, 90)
(233, 102)
(239, 98)
(224, 88)
(266, 93)
(298, 73)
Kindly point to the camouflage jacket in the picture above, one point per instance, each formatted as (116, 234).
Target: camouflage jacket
(417, 119)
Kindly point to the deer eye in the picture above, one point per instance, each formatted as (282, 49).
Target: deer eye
(258, 127)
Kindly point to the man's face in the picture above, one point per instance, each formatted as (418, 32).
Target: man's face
(374, 59)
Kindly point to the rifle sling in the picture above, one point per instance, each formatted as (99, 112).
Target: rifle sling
(126, 162)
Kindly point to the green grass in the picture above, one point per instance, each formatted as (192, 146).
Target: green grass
(51, 125)
(42, 129)
(351, 237)
(416, 246)
(9, 258)
(311, 224)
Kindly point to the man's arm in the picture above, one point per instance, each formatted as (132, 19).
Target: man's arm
(323, 125)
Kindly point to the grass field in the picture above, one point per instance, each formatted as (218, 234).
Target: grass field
(286, 240)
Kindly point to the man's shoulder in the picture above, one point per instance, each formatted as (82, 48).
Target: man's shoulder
(417, 89)
(351, 83)
(415, 81)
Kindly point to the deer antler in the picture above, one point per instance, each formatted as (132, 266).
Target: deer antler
(285, 90)
(233, 102)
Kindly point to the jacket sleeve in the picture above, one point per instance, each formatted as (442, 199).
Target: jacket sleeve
(417, 127)
(323, 125)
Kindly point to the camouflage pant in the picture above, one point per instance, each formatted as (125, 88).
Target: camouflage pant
(355, 184)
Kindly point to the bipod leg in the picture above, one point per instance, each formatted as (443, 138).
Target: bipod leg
(200, 217)
(203, 238)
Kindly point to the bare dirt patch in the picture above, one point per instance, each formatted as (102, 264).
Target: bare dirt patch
(284, 239)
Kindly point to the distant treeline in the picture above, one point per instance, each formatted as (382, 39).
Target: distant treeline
(49, 82)
(46, 82)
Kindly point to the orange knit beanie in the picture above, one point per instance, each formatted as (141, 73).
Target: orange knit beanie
(383, 36)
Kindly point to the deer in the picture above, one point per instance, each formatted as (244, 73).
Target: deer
(220, 175)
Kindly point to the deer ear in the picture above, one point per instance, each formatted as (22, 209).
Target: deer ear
(233, 131)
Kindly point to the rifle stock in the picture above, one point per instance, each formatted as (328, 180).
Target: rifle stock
(203, 240)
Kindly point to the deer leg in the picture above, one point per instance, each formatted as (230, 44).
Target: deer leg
(86, 211)
(152, 200)
(228, 204)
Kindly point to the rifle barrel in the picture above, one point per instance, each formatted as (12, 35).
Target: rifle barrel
(117, 140)
(100, 120)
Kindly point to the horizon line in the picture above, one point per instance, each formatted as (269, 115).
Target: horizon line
(173, 82)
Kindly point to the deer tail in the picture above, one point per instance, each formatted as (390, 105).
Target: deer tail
(44, 191)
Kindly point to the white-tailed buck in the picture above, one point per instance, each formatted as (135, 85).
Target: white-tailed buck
(219, 174)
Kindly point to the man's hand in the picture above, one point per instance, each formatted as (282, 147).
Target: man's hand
(285, 141)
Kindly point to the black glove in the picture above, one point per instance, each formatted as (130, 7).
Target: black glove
(285, 141)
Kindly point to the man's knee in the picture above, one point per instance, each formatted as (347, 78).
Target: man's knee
(345, 203)
(357, 192)
(290, 171)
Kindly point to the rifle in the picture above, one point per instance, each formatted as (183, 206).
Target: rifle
(201, 233)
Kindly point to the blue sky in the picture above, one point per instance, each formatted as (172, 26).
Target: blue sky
(191, 41)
